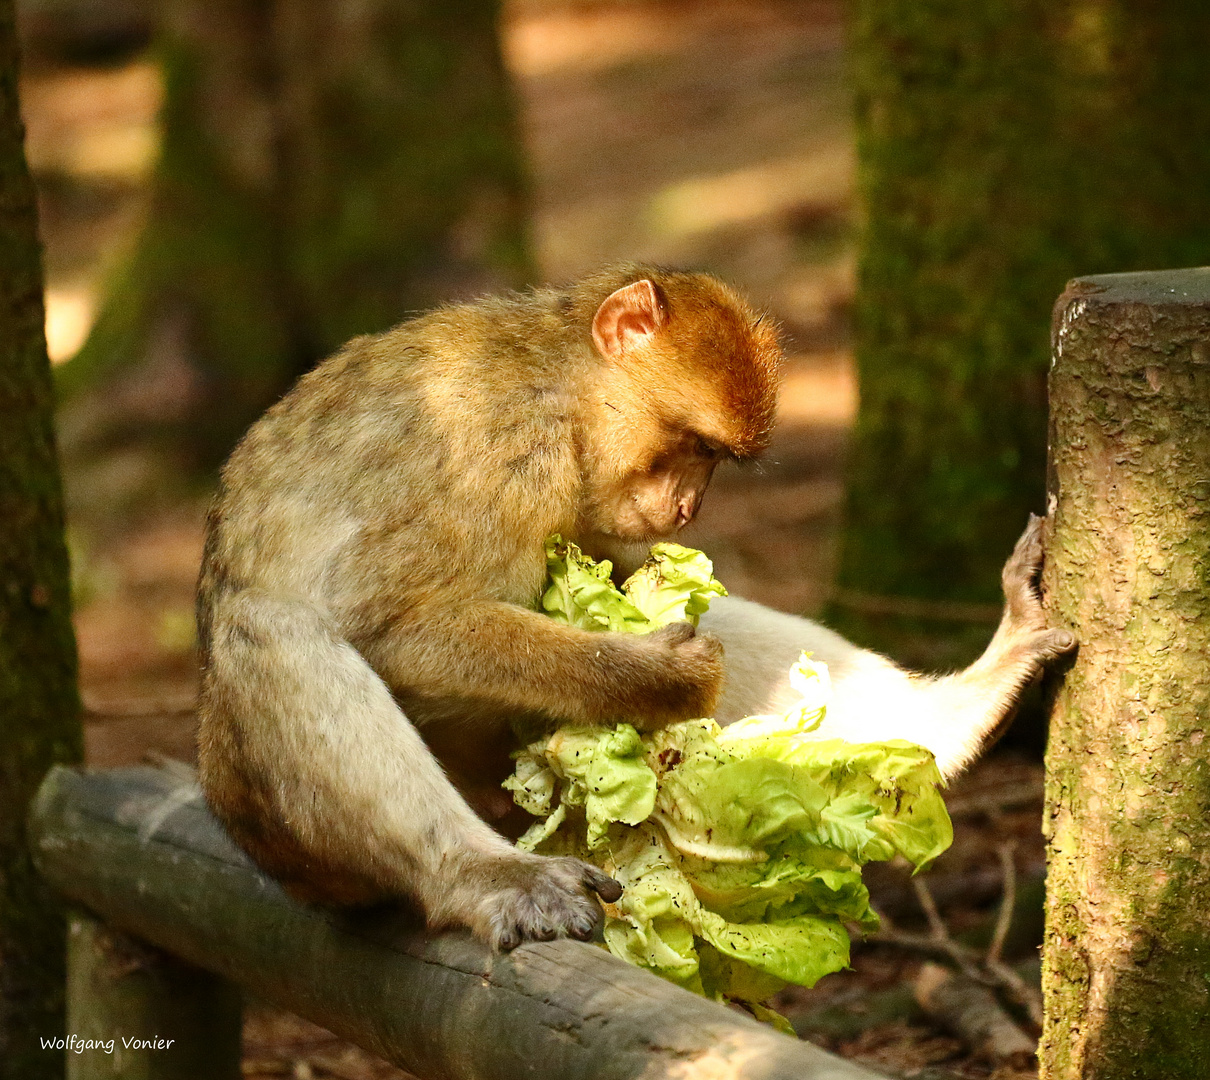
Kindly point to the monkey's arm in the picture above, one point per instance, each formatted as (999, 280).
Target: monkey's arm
(315, 771)
(873, 699)
(516, 660)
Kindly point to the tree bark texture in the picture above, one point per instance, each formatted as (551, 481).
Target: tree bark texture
(39, 709)
(1126, 974)
(326, 170)
(1004, 147)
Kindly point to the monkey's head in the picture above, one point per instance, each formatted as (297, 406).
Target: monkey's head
(687, 376)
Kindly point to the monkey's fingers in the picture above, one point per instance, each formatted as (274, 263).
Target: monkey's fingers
(547, 898)
(1047, 645)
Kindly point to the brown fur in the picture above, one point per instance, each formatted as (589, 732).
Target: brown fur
(375, 554)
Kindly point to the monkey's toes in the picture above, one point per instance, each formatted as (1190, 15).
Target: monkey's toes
(1020, 575)
(1026, 558)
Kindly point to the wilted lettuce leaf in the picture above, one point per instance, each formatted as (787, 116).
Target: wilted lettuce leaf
(606, 773)
(740, 849)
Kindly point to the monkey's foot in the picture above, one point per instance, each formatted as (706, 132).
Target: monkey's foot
(1025, 617)
(535, 898)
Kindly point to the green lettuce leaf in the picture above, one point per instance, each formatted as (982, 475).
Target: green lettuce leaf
(675, 584)
(740, 849)
(801, 950)
(607, 774)
(898, 780)
(581, 593)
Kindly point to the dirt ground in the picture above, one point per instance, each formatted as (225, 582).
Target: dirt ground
(712, 133)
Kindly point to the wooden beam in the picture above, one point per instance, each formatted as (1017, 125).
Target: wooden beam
(138, 847)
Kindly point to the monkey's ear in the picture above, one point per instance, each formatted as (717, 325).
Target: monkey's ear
(627, 318)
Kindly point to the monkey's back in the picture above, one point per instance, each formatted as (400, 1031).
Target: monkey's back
(401, 467)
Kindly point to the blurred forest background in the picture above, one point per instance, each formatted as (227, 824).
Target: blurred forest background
(714, 135)
(230, 189)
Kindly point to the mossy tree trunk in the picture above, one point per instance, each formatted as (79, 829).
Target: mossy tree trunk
(1126, 966)
(1004, 147)
(327, 169)
(39, 709)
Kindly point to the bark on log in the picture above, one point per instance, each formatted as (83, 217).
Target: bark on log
(1127, 956)
(138, 847)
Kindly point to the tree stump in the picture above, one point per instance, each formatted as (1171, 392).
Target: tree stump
(1126, 970)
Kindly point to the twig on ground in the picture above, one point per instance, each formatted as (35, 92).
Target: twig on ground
(966, 960)
(988, 969)
(970, 1010)
(936, 924)
(1004, 919)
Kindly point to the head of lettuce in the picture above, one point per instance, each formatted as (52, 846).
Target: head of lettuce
(739, 849)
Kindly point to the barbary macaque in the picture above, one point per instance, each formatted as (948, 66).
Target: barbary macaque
(374, 557)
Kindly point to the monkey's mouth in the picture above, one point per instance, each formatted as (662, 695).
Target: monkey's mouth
(648, 533)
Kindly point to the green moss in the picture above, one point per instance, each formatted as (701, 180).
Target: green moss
(39, 707)
(1004, 147)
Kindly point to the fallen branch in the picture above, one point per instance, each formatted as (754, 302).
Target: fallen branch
(1004, 918)
(969, 1010)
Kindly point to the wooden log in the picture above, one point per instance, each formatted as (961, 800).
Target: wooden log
(138, 847)
(138, 1013)
(1126, 976)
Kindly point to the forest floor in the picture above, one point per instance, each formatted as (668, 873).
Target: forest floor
(712, 133)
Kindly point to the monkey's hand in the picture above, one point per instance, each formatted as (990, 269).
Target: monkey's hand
(518, 897)
(674, 673)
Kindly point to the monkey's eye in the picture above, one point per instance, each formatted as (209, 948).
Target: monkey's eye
(705, 449)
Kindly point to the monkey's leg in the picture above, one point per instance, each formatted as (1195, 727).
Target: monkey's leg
(307, 758)
(971, 707)
(873, 699)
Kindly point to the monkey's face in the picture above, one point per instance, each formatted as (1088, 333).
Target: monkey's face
(687, 376)
(653, 482)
